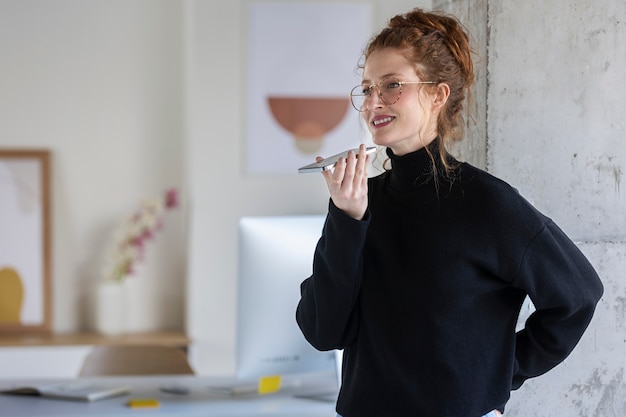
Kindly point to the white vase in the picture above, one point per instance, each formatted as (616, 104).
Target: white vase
(136, 310)
(111, 306)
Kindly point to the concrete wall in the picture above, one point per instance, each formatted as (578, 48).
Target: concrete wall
(553, 101)
(473, 149)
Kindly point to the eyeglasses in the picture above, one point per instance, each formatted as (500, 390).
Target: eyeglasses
(389, 91)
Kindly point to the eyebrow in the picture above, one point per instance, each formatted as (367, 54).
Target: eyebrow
(391, 74)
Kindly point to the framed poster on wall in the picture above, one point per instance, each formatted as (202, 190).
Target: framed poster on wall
(25, 256)
(302, 64)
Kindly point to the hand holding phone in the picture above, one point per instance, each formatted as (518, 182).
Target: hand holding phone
(331, 161)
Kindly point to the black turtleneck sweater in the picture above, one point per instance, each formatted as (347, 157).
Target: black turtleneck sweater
(424, 293)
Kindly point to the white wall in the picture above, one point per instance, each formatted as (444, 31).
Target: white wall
(99, 83)
(113, 88)
(216, 38)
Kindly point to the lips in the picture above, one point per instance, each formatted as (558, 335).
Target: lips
(381, 121)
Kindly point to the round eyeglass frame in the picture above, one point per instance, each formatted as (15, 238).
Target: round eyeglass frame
(380, 96)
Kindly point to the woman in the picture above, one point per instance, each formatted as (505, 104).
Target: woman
(421, 271)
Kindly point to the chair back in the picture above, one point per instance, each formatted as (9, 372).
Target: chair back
(135, 360)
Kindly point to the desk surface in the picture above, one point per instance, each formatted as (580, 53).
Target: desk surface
(201, 400)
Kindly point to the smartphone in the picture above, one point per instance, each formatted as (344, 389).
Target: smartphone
(330, 162)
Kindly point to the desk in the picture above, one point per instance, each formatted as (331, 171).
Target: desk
(62, 355)
(168, 338)
(200, 402)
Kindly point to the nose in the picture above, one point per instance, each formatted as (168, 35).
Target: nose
(374, 100)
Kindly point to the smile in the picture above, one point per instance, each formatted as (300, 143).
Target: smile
(383, 120)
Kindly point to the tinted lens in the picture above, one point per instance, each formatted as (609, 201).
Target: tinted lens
(390, 90)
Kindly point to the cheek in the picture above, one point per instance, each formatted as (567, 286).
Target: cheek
(421, 104)
(421, 111)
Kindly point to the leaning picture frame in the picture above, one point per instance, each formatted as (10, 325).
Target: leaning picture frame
(25, 236)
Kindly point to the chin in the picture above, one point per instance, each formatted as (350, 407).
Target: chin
(381, 140)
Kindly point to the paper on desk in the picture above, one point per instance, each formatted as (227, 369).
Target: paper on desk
(75, 390)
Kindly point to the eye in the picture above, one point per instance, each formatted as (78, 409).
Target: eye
(391, 84)
(366, 91)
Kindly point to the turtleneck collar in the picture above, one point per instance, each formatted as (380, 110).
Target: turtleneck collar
(414, 169)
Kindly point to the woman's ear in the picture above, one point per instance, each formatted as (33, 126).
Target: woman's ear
(441, 95)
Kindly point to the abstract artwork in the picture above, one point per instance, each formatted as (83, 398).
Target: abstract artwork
(24, 241)
(302, 65)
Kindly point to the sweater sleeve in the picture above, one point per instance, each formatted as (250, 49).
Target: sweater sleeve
(565, 289)
(329, 295)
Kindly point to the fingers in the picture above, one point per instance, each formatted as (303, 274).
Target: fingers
(361, 164)
(350, 168)
(350, 171)
(335, 178)
(347, 183)
(356, 168)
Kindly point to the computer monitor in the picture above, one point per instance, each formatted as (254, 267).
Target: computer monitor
(275, 256)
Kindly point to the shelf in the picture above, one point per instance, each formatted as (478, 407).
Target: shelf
(167, 338)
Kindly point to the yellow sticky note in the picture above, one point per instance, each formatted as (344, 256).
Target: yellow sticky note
(269, 384)
(143, 403)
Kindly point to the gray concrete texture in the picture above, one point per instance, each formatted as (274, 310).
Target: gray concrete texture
(551, 103)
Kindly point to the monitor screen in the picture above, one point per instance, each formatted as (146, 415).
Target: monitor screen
(275, 256)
